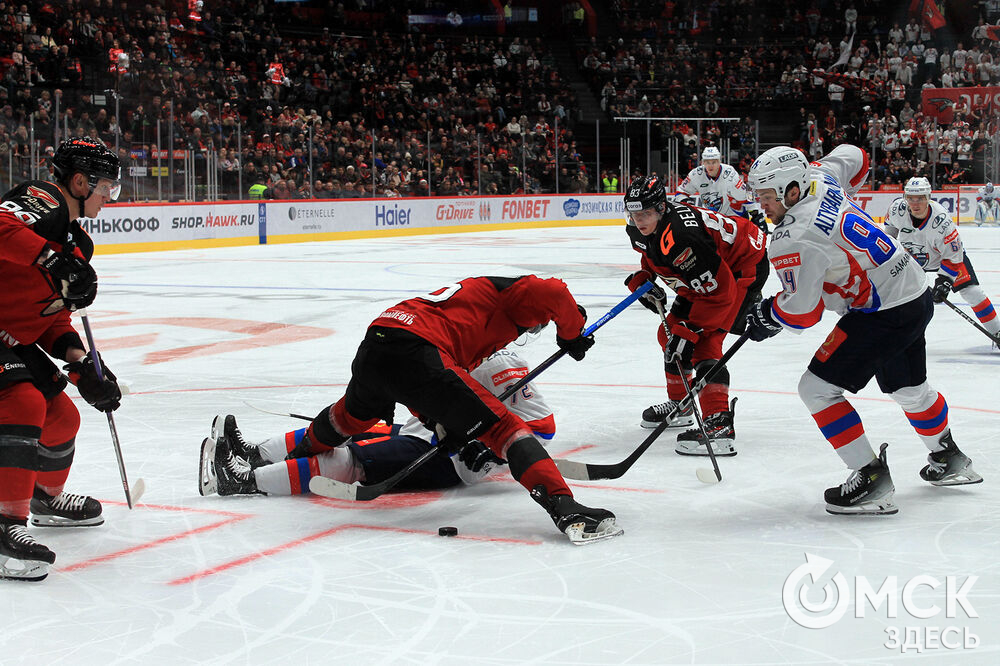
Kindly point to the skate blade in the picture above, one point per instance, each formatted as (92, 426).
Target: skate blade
(44, 520)
(218, 426)
(964, 478)
(208, 484)
(884, 507)
(676, 423)
(28, 570)
(606, 529)
(720, 450)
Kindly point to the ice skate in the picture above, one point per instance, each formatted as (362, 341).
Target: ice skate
(868, 491)
(949, 466)
(233, 476)
(21, 557)
(720, 430)
(65, 510)
(225, 426)
(654, 415)
(580, 523)
(208, 483)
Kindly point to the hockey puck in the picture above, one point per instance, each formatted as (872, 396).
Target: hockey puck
(447, 531)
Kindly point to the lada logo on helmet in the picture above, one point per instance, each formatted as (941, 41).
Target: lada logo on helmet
(785, 158)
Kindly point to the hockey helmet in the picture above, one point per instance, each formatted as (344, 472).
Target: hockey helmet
(778, 169)
(917, 186)
(988, 188)
(644, 194)
(711, 153)
(91, 158)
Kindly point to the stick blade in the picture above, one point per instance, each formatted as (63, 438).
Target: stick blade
(706, 475)
(573, 470)
(138, 489)
(324, 487)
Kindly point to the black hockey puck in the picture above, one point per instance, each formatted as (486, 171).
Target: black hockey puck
(447, 531)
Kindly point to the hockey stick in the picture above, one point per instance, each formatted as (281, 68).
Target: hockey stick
(326, 487)
(268, 411)
(594, 472)
(140, 485)
(703, 474)
(994, 338)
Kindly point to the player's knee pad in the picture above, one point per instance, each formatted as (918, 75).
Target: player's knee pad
(62, 421)
(915, 398)
(972, 294)
(818, 394)
(500, 436)
(702, 368)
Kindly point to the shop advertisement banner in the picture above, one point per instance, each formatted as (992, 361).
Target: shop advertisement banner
(131, 223)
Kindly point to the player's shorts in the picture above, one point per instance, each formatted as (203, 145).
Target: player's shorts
(888, 345)
(28, 363)
(381, 458)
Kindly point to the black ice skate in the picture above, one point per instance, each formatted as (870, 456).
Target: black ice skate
(65, 510)
(867, 491)
(949, 466)
(720, 430)
(580, 523)
(657, 414)
(21, 557)
(233, 475)
(225, 426)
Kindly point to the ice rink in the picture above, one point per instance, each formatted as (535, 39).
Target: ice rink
(697, 577)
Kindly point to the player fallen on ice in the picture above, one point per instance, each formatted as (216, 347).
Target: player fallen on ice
(46, 273)
(717, 265)
(830, 254)
(230, 465)
(925, 230)
(418, 354)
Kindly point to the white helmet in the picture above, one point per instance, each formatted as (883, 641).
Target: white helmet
(777, 169)
(989, 187)
(711, 153)
(917, 187)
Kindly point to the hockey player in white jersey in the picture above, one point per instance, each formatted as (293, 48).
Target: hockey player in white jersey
(232, 466)
(987, 206)
(715, 185)
(925, 229)
(830, 254)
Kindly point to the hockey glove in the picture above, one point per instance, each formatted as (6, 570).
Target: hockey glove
(759, 219)
(577, 347)
(649, 299)
(75, 279)
(680, 346)
(942, 287)
(475, 456)
(103, 394)
(760, 324)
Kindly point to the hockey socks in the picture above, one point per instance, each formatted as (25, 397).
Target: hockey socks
(927, 411)
(530, 465)
(291, 477)
(841, 426)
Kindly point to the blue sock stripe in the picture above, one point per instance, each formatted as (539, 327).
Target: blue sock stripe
(299, 434)
(932, 423)
(304, 476)
(842, 424)
(985, 312)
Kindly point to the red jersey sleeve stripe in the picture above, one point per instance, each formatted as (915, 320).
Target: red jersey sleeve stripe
(792, 320)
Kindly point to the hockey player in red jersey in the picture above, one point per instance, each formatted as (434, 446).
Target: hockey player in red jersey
(717, 265)
(45, 271)
(418, 353)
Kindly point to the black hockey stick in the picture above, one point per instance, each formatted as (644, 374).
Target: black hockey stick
(268, 411)
(140, 485)
(994, 338)
(326, 487)
(594, 472)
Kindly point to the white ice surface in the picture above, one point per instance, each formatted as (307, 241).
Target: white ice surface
(697, 577)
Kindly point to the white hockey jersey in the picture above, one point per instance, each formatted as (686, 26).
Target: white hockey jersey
(983, 195)
(726, 194)
(933, 242)
(830, 254)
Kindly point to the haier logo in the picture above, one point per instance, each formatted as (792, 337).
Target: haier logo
(394, 216)
(571, 207)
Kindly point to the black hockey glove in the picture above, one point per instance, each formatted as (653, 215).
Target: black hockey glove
(103, 394)
(680, 346)
(760, 324)
(649, 299)
(475, 455)
(759, 219)
(75, 279)
(942, 287)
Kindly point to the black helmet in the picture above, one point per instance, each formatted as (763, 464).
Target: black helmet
(91, 158)
(646, 193)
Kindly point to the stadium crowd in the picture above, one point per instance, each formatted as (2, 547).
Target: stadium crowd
(351, 99)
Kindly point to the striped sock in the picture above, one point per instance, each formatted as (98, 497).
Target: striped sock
(931, 423)
(842, 427)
